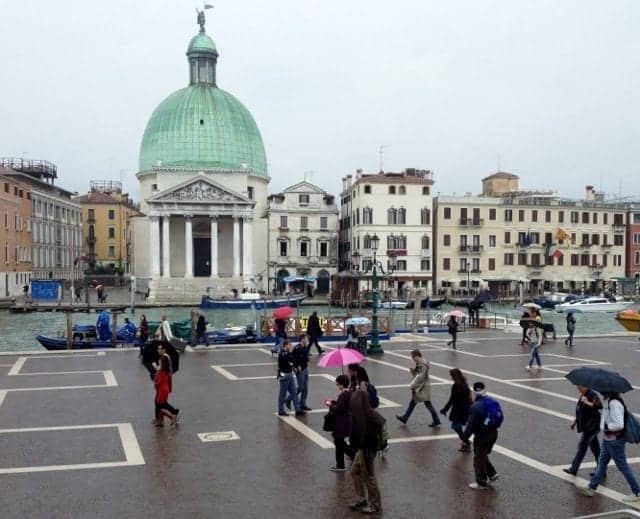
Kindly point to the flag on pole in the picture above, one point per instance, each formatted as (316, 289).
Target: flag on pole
(562, 235)
(557, 254)
(208, 6)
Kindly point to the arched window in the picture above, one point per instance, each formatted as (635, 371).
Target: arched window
(401, 242)
(426, 242)
(367, 241)
(402, 190)
(402, 216)
(392, 216)
(392, 190)
(391, 242)
(425, 216)
(367, 216)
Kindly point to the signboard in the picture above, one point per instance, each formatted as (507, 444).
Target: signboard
(221, 436)
(46, 289)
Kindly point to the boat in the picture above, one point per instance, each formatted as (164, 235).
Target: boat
(396, 305)
(594, 304)
(630, 319)
(428, 303)
(550, 301)
(60, 343)
(247, 301)
(232, 335)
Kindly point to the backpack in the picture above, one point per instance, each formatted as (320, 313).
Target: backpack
(382, 438)
(493, 415)
(631, 425)
(378, 437)
(373, 396)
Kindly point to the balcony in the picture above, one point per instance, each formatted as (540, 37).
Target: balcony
(535, 266)
(91, 219)
(426, 253)
(473, 222)
(476, 271)
(396, 252)
(619, 227)
(283, 229)
(471, 249)
(606, 245)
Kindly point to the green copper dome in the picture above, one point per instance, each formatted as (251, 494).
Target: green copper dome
(202, 126)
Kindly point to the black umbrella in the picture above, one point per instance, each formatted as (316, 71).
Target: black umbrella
(599, 380)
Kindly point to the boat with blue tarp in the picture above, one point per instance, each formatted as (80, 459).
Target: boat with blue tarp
(251, 300)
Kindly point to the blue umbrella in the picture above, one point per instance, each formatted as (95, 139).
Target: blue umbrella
(599, 380)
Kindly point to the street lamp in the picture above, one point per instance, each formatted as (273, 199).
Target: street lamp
(375, 268)
(468, 279)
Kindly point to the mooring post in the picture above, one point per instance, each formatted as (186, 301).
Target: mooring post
(114, 330)
(194, 320)
(69, 330)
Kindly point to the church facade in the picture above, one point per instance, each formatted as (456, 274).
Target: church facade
(203, 190)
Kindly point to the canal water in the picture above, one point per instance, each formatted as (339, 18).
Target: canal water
(19, 331)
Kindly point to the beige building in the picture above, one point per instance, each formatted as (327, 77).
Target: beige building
(395, 207)
(301, 237)
(507, 238)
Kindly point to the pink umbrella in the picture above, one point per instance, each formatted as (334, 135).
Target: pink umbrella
(283, 312)
(457, 313)
(340, 357)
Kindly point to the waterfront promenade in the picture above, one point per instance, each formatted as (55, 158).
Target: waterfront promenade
(77, 440)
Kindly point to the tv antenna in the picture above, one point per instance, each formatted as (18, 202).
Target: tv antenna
(381, 153)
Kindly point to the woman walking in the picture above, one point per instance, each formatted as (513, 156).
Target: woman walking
(533, 337)
(143, 330)
(420, 389)
(201, 331)
(163, 387)
(460, 403)
(341, 410)
(452, 325)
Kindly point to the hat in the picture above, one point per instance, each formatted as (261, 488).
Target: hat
(478, 387)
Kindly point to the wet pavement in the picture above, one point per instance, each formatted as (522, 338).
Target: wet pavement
(76, 439)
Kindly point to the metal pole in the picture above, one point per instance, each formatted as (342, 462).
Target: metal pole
(69, 330)
(375, 348)
(133, 295)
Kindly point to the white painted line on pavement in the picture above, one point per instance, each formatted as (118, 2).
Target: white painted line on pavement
(224, 373)
(132, 452)
(3, 394)
(60, 372)
(221, 436)
(6, 365)
(247, 365)
(307, 431)
(592, 464)
(17, 366)
(537, 379)
(558, 473)
(109, 378)
(410, 439)
(571, 365)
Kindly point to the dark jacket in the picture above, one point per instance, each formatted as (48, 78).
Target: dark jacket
(452, 324)
(313, 326)
(285, 363)
(365, 421)
(201, 326)
(475, 425)
(144, 329)
(300, 357)
(588, 418)
(341, 408)
(460, 403)
(281, 328)
(571, 323)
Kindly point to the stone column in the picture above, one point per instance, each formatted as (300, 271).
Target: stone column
(247, 248)
(236, 247)
(188, 247)
(154, 246)
(166, 249)
(214, 246)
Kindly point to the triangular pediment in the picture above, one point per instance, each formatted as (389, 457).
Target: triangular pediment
(200, 189)
(304, 187)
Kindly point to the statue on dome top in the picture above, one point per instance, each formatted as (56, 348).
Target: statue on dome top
(201, 18)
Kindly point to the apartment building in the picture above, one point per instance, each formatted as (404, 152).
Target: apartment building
(507, 237)
(633, 244)
(15, 235)
(302, 224)
(396, 208)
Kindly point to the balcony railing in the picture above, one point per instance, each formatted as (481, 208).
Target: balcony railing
(283, 228)
(618, 227)
(475, 222)
(471, 249)
(476, 271)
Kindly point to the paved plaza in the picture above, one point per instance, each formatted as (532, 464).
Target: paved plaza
(76, 439)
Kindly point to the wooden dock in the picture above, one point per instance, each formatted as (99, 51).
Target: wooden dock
(26, 308)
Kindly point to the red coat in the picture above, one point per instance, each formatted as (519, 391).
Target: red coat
(163, 387)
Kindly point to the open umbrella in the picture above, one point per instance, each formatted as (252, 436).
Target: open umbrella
(284, 312)
(357, 321)
(571, 310)
(599, 379)
(340, 357)
(531, 306)
(457, 313)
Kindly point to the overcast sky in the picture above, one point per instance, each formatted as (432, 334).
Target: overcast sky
(546, 89)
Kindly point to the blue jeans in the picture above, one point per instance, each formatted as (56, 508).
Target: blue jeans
(202, 339)
(570, 338)
(302, 378)
(279, 344)
(589, 439)
(534, 355)
(459, 429)
(288, 385)
(427, 404)
(614, 450)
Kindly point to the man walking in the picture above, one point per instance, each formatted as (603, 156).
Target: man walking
(486, 417)
(287, 382)
(314, 330)
(420, 390)
(300, 359)
(571, 328)
(587, 422)
(452, 326)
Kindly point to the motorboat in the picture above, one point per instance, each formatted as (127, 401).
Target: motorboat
(427, 303)
(550, 301)
(630, 319)
(231, 335)
(396, 305)
(250, 300)
(594, 304)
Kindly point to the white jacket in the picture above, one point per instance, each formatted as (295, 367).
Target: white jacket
(612, 416)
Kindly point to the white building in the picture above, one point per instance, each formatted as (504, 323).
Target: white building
(396, 207)
(302, 224)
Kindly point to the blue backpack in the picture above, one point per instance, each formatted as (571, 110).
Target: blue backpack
(373, 396)
(493, 415)
(631, 425)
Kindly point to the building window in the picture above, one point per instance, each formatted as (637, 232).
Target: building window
(425, 264)
(304, 249)
(367, 216)
(492, 263)
(560, 216)
(250, 193)
(534, 215)
(284, 246)
(92, 214)
(585, 217)
(6, 187)
(584, 260)
(521, 215)
(618, 219)
(284, 223)
(402, 216)
(304, 222)
(112, 233)
(595, 218)
(447, 213)
(324, 221)
(112, 214)
(367, 189)
(446, 264)
(492, 214)
(492, 240)
(605, 218)
(401, 265)
(575, 217)
(402, 190)
(508, 215)
(392, 190)
(522, 258)
(426, 191)
(366, 241)
(303, 199)
(637, 257)
(112, 251)
(618, 239)
(425, 216)
(561, 261)
(392, 216)
(446, 240)
(547, 216)
(324, 249)
(426, 242)
(595, 239)
(574, 260)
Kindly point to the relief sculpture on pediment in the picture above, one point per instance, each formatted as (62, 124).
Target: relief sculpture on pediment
(201, 191)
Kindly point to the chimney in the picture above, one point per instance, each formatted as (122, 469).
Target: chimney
(590, 194)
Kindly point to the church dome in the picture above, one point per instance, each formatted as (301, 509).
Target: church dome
(202, 126)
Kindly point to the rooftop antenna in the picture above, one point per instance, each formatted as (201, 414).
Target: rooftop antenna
(381, 152)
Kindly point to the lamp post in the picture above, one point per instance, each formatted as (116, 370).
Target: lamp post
(376, 268)
(468, 279)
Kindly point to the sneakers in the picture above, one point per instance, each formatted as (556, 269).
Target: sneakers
(494, 478)
(587, 491)
(283, 413)
(301, 413)
(477, 486)
(527, 367)
(338, 469)
(570, 472)
(435, 424)
(359, 505)
(306, 408)
(401, 419)
(369, 509)
(631, 498)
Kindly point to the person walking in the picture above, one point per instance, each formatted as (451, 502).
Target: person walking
(613, 447)
(460, 403)
(300, 359)
(143, 331)
(524, 324)
(201, 331)
(287, 381)
(280, 326)
(366, 424)
(452, 325)
(571, 328)
(420, 389)
(587, 422)
(341, 410)
(164, 332)
(162, 383)
(314, 331)
(483, 424)
(533, 337)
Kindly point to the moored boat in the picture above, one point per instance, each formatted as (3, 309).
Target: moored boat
(630, 319)
(60, 343)
(550, 301)
(594, 304)
(246, 301)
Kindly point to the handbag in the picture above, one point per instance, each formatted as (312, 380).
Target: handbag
(329, 423)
